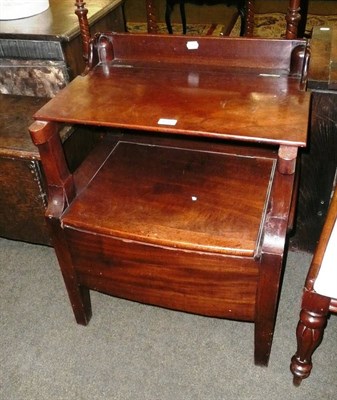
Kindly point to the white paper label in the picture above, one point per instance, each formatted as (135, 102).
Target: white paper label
(192, 45)
(167, 121)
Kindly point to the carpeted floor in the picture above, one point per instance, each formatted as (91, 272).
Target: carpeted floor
(192, 29)
(269, 25)
(273, 25)
(131, 351)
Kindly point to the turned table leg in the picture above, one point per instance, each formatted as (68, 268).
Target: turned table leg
(309, 334)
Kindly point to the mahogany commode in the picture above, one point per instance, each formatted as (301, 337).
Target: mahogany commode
(187, 200)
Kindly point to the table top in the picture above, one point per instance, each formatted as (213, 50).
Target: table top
(59, 22)
(199, 98)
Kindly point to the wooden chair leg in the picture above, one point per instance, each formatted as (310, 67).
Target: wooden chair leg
(309, 335)
(168, 12)
(183, 16)
(242, 15)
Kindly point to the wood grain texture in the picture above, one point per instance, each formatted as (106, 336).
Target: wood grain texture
(197, 282)
(175, 197)
(122, 93)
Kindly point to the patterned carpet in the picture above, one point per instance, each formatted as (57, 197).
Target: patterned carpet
(192, 29)
(274, 25)
(265, 25)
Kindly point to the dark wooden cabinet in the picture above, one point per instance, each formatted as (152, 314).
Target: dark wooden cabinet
(319, 159)
(23, 197)
(38, 57)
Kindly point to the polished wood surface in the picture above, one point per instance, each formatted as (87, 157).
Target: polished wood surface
(133, 89)
(168, 205)
(179, 208)
(194, 218)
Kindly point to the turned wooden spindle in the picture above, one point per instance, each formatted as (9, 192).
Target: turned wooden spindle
(81, 13)
(309, 334)
(249, 18)
(152, 26)
(293, 18)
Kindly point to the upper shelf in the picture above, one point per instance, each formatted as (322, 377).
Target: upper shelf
(241, 89)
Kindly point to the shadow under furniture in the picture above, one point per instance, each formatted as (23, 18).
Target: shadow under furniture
(187, 203)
